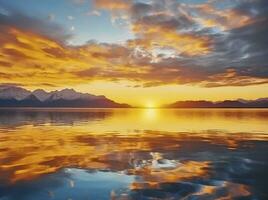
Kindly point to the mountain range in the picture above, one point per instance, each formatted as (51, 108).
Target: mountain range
(13, 96)
(239, 103)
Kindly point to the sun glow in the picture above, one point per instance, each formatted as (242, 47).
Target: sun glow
(150, 114)
(150, 104)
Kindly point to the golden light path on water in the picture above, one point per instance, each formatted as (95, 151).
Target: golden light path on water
(136, 141)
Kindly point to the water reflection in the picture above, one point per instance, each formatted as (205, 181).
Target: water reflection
(35, 116)
(133, 154)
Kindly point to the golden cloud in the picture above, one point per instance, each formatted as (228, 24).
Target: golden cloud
(226, 19)
(25, 54)
(168, 48)
(112, 5)
(184, 43)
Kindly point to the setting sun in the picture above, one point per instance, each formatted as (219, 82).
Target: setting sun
(150, 104)
(133, 99)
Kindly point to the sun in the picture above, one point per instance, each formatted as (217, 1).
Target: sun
(150, 104)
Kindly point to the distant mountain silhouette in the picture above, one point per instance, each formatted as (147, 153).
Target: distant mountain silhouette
(241, 103)
(14, 96)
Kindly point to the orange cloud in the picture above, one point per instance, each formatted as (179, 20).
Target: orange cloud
(168, 48)
(112, 5)
(158, 37)
(33, 60)
(57, 148)
(232, 78)
(25, 54)
(31, 55)
(225, 19)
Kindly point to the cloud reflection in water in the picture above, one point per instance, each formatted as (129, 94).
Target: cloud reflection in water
(157, 158)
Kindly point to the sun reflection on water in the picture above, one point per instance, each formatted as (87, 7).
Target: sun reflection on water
(150, 114)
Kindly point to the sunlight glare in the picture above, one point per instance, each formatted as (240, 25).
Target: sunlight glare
(150, 104)
(150, 114)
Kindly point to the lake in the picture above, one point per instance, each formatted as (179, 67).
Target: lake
(139, 154)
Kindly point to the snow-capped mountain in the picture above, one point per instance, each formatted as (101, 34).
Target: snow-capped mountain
(65, 94)
(13, 92)
(42, 95)
(70, 94)
(13, 96)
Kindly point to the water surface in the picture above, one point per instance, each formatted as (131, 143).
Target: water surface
(133, 154)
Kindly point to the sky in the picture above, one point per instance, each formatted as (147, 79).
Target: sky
(141, 52)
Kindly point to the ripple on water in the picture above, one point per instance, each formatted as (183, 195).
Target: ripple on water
(155, 178)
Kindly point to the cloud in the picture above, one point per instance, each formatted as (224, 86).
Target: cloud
(7, 85)
(14, 18)
(94, 13)
(72, 28)
(112, 5)
(70, 17)
(209, 16)
(173, 44)
(163, 36)
(160, 24)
